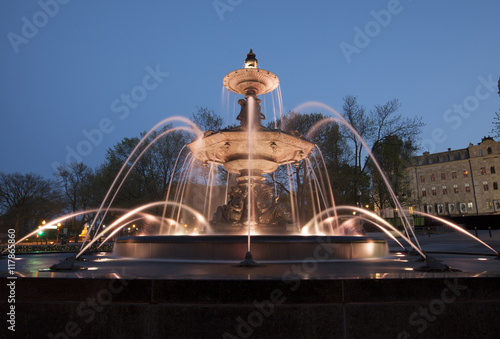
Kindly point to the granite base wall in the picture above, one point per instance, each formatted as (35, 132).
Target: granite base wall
(378, 308)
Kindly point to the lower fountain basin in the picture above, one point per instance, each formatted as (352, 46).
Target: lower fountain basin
(263, 247)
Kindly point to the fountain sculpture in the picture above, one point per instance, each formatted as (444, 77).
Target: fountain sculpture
(250, 150)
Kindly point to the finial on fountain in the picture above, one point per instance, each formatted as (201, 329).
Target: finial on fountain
(251, 61)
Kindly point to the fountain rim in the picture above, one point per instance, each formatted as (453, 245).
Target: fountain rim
(223, 238)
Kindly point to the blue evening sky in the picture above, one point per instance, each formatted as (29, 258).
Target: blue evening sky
(68, 67)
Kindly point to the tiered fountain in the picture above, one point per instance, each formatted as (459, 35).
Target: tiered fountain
(251, 220)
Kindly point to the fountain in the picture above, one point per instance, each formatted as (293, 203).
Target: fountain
(250, 151)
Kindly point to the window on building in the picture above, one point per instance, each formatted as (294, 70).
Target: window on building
(485, 185)
(489, 205)
(480, 152)
(432, 177)
(466, 173)
(422, 178)
(455, 188)
(489, 150)
(483, 170)
(445, 190)
(467, 188)
(453, 175)
(495, 185)
(470, 205)
(434, 192)
(424, 192)
(443, 176)
(492, 170)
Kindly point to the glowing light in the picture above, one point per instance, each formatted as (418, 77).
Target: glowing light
(482, 259)
(408, 269)
(43, 222)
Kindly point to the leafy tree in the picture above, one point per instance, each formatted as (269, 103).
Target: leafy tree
(150, 177)
(393, 155)
(325, 133)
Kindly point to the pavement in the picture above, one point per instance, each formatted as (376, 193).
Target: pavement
(464, 255)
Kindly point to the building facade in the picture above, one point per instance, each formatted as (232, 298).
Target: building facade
(457, 182)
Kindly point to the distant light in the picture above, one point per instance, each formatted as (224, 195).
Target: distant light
(133, 225)
(367, 206)
(354, 213)
(43, 222)
(482, 259)
(408, 269)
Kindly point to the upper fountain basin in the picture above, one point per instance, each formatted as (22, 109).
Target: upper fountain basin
(268, 149)
(248, 80)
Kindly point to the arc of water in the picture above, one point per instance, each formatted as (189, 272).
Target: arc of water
(171, 181)
(341, 119)
(117, 230)
(196, 130)
(54, 222)
(320, 186)
(133, 212)
(209, 191)
(280, 101)
(379, 219)
(179, 196)
(293, 194)
(161, 135)
(458, 228)
(383, 229)
(332, 199)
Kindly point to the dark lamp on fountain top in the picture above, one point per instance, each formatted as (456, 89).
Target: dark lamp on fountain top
(251, 61)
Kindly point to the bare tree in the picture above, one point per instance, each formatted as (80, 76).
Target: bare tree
(27, 199)
(382, 122)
